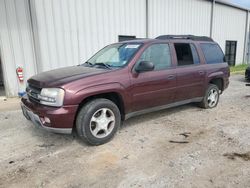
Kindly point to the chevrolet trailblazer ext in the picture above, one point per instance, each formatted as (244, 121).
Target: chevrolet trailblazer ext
(126, 79)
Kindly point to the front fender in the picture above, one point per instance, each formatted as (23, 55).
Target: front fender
(82, 94)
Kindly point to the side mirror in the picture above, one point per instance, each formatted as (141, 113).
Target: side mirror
(144, 66)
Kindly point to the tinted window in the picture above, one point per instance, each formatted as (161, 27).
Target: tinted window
(159, 55)
(212, 53)
(196, 59)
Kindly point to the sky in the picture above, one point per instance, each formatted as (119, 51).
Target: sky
(242, 3)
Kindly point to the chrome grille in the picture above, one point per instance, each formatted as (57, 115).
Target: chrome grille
(33, 92)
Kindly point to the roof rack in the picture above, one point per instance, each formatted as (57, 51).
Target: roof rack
(190, 37)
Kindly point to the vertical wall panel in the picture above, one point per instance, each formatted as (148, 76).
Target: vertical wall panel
(248, 40)
(68, 32)
(229, 24)
(57, 33)
(179, 17)
(16, 43)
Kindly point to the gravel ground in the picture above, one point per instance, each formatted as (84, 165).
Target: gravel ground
(212, 152)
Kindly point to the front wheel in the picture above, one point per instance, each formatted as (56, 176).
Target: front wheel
(211, 97)
(98, 121)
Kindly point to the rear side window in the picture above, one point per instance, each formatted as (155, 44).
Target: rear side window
(159, 55)
(186, 54)
(213, 53)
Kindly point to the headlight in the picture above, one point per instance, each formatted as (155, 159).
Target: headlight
(51, 96)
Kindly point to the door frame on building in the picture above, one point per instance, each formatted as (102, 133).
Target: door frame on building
(2, 85)
(248, 49)
(229, 55)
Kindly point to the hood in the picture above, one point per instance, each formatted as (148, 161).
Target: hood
(61, 76)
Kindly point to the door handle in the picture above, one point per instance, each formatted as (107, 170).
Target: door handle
(201, 72)
(171, 77)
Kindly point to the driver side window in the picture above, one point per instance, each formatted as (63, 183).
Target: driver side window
(159, 55)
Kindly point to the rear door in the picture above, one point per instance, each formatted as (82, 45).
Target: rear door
(190, 72)
(157, 87)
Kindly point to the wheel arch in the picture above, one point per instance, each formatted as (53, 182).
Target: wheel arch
(113, 96)
(218, 81)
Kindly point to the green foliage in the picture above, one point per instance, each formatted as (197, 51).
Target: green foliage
(238, 68)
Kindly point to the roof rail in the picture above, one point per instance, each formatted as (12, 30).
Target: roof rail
(190, 37)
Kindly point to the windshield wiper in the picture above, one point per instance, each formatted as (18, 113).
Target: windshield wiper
(103, 64)
(88, 63)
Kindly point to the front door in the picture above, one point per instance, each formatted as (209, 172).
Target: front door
(157, 87)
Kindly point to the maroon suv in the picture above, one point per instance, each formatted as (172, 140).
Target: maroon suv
(126, 79)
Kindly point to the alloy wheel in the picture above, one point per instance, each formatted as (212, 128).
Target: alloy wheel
(212, 98)
(102, 123)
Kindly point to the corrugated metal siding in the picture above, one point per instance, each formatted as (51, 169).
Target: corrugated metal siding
(16, 43)
(179, 17)
(248, 41)
(68, 32)
(229, 24)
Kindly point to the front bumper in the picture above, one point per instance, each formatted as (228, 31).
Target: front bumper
(61, 119)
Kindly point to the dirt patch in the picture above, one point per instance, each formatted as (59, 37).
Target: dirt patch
(140, 155)
(103, 161)
(233, 156)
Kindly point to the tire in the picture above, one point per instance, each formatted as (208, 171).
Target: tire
(208, 101)
(98, 121)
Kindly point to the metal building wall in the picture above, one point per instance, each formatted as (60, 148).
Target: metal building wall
(248, 41)
(16, 43)
(229, 24)
(40, 35)
(179, 17)
(68, 32)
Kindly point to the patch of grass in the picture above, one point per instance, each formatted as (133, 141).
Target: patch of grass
(238, 68)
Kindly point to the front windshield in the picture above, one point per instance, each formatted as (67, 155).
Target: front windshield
(116, 55)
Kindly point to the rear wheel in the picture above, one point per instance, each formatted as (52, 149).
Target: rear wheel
(211, 97)
(98, 121)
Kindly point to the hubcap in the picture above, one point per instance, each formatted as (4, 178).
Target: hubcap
(212, 97)
(102, 123)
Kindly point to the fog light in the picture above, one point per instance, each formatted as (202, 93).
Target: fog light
(46, 119)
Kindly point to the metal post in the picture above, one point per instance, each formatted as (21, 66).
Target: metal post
(212, 18)
(147, 19)
(246, 40)
(30, 8)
